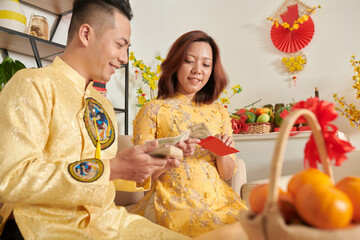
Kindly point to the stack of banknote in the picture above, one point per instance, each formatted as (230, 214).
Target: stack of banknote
(200, 131)
(167, 145)
(164, 151)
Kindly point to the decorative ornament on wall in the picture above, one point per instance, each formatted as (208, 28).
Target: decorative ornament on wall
(292, 30)
(294, 63)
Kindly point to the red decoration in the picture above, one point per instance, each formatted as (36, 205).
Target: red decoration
(216, 146)
(239, 125)
(325, 113)
(240, 111)
(284, 114)
(291, 15)
(291, 41)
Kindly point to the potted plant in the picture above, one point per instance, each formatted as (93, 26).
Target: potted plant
(8, 68)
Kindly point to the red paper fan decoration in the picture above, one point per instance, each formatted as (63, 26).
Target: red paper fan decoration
(292, 41)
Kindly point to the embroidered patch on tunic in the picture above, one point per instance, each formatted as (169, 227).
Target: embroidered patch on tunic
(95, 113)
(88, 170)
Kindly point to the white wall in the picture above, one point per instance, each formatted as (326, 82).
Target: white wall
(249, 57)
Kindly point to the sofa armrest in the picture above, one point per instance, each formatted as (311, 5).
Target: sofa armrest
(239, 178)
(126, 198)
(247, 187)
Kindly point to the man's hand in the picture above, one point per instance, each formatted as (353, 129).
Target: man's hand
(188, 146)
(136, 165)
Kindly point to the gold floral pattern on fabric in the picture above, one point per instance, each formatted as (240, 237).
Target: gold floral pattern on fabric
(95, 113)
(88, 170)
(48, 105)
(191, 199)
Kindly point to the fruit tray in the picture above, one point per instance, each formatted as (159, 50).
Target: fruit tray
(255, 128)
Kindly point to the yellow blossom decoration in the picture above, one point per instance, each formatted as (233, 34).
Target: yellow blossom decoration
(349, 110)
(224, 100)
(149, 77)
(294, 63)
(297, 22)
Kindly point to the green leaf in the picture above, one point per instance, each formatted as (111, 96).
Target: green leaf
(2, 77)
(7, 59)
(8, 68)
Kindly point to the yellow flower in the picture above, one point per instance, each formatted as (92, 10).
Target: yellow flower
(155, 78)
(152, 85)
(295, 26)
(349, 110)
(284, 59)
(236, 89)
(139, 91)
(141, 100)
(292, 59)
(145, 76)
(292, 69)
(142, 66)
(224, 100)
(285, 25)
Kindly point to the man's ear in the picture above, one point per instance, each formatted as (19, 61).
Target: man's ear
(86, 33)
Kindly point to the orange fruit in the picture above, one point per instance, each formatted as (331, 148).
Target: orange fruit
(351, 187)
(258, 196)
(259, 111)
(324, 206)
(307, 176)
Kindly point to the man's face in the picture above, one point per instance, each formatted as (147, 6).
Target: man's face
(109, 48)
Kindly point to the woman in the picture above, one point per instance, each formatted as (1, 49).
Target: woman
(193, 198)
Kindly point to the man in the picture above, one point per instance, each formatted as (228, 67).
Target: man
(58, 143)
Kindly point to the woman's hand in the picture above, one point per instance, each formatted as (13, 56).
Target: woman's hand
(228, 140)
(188, 146)
(225, 164)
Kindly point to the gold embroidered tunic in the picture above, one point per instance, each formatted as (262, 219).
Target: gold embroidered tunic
(191, 199)
(50, 128)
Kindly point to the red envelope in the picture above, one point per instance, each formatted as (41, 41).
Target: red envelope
(216, 146)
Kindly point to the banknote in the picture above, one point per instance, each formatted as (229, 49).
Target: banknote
(173, 140)
(164, 151)
(200, 131)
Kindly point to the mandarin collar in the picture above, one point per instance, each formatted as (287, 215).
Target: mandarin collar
(69, 72)
(183, 98)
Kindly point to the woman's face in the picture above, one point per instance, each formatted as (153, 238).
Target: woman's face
(195, 71)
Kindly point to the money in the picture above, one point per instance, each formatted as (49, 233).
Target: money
(200, 131)
(173, 140)
(164, 151)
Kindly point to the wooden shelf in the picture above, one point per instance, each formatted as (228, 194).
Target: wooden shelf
(21, 43)
(58, 7)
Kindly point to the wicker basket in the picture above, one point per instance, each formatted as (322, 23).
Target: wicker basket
(258, 128)
(269, 224)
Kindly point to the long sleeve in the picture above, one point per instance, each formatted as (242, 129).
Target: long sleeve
(39, 139)
(145, 124)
